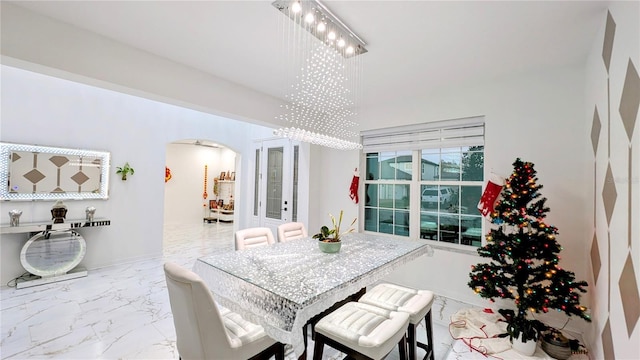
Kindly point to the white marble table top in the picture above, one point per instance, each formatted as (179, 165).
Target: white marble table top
(282, 286)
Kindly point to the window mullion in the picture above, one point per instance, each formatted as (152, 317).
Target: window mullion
(414, 219)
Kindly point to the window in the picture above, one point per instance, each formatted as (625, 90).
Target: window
(426, 180)
(387, 192)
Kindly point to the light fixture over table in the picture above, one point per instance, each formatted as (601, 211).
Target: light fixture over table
(322, 75)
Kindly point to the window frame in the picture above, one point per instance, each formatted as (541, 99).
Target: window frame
(416, 183)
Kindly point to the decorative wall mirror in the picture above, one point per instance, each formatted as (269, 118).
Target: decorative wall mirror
(29, 172)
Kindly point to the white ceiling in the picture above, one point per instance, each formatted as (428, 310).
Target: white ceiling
(415, 47)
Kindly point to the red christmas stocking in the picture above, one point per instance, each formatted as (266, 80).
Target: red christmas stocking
(353, 189)
(490, 195)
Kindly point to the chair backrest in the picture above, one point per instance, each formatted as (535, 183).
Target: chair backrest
(291, 231)
(253, 237)
(200, 330)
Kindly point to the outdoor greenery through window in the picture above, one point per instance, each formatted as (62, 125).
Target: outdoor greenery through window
(431, 192)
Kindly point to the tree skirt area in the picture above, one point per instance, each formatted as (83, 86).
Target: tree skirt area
(474, 333)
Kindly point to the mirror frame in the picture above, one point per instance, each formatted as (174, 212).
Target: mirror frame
(5, 167)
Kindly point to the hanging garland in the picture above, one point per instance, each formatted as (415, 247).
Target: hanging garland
(167, 174)
(204, 194)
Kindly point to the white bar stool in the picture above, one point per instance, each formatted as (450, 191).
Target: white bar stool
(362, 331)
(416, 303)
(252, 237)
(204, 331)
(291, 231)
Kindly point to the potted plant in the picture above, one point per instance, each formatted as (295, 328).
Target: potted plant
(525, 332)
(329, 240)
(124, 171)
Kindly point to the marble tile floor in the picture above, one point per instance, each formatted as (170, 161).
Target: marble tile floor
(123, 311)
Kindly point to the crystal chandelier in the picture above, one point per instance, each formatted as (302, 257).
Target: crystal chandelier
(322, 75)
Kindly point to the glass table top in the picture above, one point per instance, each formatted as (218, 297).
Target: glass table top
(298, 271)
(283, 285)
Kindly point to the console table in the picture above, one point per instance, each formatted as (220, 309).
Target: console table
(53, 250)
(219, 215)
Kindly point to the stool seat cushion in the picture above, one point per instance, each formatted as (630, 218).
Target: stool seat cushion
(367, 329)
(417, 303)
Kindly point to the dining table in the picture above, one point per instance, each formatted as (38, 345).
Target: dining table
(283, 285)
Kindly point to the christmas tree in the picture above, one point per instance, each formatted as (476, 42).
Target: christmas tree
(524, 258)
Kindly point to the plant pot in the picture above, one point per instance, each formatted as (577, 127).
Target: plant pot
(556, 345)
(329, 246)
(526, 348)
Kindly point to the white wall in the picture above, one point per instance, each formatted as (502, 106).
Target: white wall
(330, 177)
(184, 202)
(535, 116)
(614, 249)
(42, 110)
(30, 40)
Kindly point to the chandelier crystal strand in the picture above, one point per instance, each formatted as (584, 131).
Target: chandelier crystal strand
(323, 75)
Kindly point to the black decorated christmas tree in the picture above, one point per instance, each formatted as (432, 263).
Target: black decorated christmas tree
(524, 258)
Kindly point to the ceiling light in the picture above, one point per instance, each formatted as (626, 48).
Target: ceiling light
(296, 7)
(322, 76)
(309, 18)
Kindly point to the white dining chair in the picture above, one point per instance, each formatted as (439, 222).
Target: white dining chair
(291, 231)
(362, 331)
(203, 331)
(416, 303)
(252, 237)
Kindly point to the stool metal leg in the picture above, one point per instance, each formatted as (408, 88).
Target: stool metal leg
(429, 327)
(402, 347)
(411, 341)
(317, 349)
(428, 347)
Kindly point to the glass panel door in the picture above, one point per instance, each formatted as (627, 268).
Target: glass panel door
(274, 182)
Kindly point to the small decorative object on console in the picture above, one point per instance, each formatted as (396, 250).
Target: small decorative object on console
(58, 212)
(14, 216)
(90, 211)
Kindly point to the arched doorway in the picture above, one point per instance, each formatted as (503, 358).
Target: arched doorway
(196, 165)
